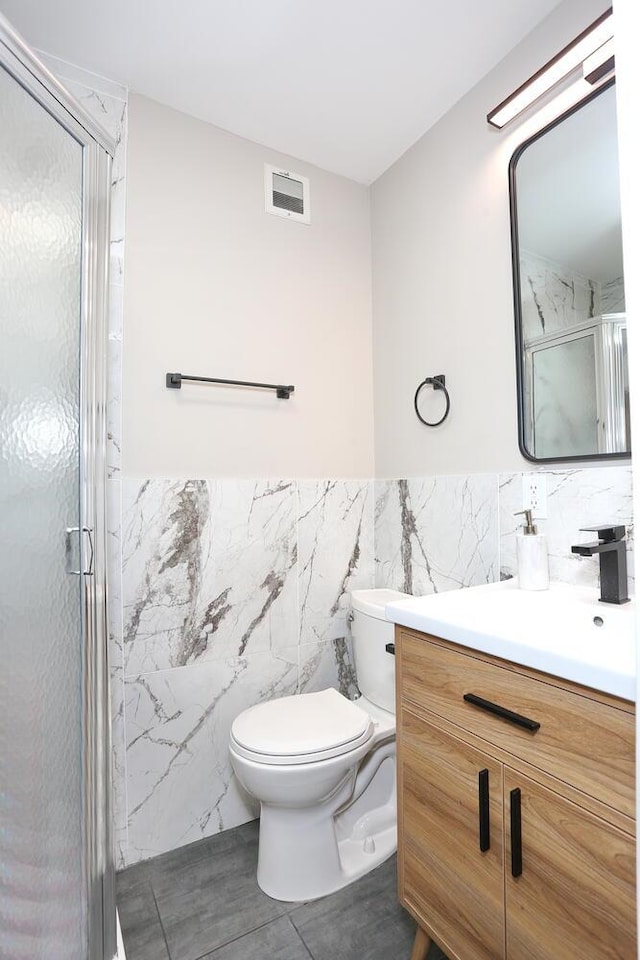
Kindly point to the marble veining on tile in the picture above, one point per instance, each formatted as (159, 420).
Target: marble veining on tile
(328, 663)
(335, 546)
(575, 498)
(436, 533)
(114, 406)
(553, 297)
(180, 785)
(116, 667)
(612, 297)
(208, 570)
(236, 592)
(111, 113)
(347, 682)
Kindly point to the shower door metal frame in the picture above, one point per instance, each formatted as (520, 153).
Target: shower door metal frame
(98, 149)
(606, 331)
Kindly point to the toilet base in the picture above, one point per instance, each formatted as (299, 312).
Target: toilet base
(307, 853)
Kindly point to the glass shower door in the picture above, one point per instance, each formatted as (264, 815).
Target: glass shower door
(564, 396)
(46, 555)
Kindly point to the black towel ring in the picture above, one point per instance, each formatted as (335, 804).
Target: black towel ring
(438, 384)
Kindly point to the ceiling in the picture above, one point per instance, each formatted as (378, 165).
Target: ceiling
(347, 85)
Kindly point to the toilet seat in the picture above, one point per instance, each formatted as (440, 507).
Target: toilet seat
(305, 728)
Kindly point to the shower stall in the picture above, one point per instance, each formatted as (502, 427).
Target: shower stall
(56, 861)
(576, 390)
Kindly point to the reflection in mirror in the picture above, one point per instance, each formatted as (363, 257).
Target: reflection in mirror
(569, 287)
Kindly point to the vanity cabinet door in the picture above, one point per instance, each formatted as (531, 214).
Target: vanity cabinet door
(575, 896)
(454, 890)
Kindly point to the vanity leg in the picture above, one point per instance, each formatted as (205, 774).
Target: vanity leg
(421, 945)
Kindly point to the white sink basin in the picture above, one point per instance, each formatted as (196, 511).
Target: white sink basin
(564, 631)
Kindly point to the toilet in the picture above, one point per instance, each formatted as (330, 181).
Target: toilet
(323, 769)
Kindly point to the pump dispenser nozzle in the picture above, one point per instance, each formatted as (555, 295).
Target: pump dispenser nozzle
(528, 526)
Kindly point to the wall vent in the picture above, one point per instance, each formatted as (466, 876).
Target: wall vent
(286, 194)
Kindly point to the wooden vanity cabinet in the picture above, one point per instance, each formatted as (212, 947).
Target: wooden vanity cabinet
(455, 893)
(576, 894)
(463, 785)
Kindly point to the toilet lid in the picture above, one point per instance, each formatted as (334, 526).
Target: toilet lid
(302, 728)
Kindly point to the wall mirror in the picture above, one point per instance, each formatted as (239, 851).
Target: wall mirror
(571, 341)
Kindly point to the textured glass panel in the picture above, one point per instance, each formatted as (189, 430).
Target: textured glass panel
(564, 399)
(41, 903)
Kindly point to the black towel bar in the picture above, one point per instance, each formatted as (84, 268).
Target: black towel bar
(283, 392)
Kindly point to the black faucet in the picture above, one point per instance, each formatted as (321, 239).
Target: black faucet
(612, 549)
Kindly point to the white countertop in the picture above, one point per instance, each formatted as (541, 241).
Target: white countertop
(549, 630)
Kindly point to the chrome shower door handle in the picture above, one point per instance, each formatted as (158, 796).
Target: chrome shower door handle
(89, 533)
(68, 551)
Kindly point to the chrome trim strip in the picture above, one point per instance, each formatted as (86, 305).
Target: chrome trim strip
(30, 65)
(613, 385)
(607, 332)
(99, 866)
(576, 328)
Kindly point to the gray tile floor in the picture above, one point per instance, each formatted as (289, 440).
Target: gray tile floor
(202, 902)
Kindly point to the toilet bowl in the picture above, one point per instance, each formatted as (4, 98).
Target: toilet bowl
(323, 769)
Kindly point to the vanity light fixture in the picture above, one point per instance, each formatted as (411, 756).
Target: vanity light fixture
(599, 64)
(592, 51)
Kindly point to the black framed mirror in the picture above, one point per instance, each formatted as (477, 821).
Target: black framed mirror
(569, 304)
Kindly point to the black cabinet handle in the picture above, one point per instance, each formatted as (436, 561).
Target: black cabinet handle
(483, 807)
(516, 832)
(390, 648)
(499, 711)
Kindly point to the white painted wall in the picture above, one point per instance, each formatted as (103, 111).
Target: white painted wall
(217, 287)
(442, 292)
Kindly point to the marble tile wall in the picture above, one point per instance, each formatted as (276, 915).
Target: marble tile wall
(436, 533)
(236, 591)
(555, 298)
(575, 499)
(233, 592)
(612, 296)
(442, 533)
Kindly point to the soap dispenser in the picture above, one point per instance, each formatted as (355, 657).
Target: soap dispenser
(532, 556)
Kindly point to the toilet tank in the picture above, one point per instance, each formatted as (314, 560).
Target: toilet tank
(371, 632)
